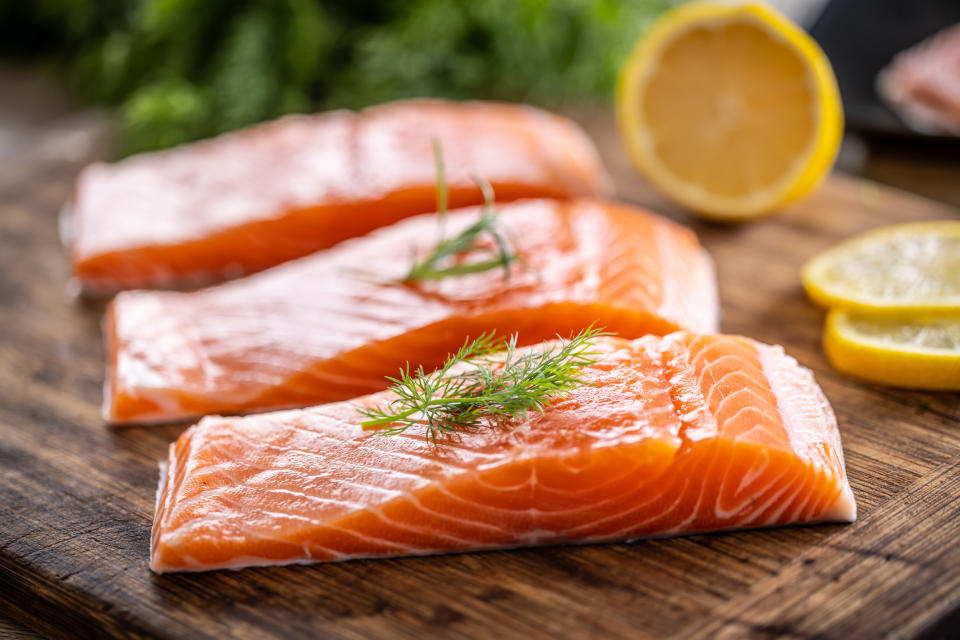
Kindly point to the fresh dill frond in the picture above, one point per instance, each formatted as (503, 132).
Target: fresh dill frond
(463, 253)
(443, 194)
(492, 387)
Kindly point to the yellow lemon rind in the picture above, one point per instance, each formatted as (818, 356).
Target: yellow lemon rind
(820, 291)
(812, 167)
(888, 363)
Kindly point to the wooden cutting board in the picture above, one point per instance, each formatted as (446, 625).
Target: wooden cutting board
(76, 497)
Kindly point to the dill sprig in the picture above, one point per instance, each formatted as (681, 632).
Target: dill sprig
(449, 257)
(492, 389)
(442, 191)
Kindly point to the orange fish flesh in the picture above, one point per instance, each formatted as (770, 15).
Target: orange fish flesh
(249, 200)
(331, 326)
(672, 435)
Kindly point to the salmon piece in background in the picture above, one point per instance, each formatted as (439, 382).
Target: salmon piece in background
(331, 326)
(672, 435)
(922, 84)
(249, 200)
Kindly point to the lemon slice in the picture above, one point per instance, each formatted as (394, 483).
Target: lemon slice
(921, 354)
(730, 110)
(906, 268)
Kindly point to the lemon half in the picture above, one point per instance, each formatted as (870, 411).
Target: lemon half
(730, 110)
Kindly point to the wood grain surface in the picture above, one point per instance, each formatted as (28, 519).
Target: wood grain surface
(76, 498)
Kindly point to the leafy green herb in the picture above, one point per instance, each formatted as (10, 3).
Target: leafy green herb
(488, 388)
(451, 256)
(442, 191)
(185, 69)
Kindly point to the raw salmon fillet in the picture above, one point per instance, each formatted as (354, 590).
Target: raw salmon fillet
(674, 435)
(252, 199)
(922, 84)
(330, 326)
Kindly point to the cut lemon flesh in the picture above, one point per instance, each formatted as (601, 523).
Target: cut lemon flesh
(908, 268)
(730, 110)
(920, 354)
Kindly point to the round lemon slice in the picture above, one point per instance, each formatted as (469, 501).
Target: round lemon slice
(919, 354)
(901, 269)
(730, 110)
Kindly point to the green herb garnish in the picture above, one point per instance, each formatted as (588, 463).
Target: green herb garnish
(442, 191)
(180, 70)
(493, 389)
(450, 256)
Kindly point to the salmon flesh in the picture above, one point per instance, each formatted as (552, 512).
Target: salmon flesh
(671, 435)
(331, 326)
(249, 200)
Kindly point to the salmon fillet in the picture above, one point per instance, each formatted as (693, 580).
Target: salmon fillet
(252, 199)
(331, 326)
(673, 435)
(922, 84)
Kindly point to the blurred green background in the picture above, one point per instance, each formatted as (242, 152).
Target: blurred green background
(178, 70)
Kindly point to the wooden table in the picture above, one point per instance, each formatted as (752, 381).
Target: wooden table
(76, 498)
